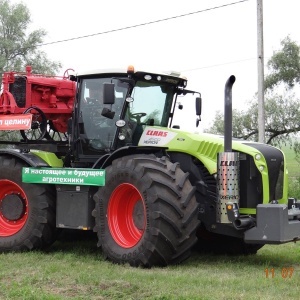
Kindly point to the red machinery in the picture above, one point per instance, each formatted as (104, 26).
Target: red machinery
(49, 99)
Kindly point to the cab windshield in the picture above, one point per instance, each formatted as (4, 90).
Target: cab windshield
(152, 103)
(151, 106)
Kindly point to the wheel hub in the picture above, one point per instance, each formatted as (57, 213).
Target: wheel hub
(126, 215)
(138, 215)
(35, 125)
(12, 207)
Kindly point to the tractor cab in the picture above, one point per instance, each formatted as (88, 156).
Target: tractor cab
(114, 107)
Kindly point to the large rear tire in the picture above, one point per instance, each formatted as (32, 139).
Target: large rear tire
(146, 214)
(27, 211)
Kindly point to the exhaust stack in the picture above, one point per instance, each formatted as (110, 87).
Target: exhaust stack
(228, 184)
(228, 114)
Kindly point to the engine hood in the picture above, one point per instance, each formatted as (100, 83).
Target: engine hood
(203, 146)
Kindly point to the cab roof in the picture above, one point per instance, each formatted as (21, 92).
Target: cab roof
(125, 72)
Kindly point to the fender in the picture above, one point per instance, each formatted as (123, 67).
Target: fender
(107, 159)
(28, 157)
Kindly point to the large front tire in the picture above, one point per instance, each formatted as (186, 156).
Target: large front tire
(146, 214)
(27, 211)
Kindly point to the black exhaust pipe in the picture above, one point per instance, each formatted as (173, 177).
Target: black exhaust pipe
(243, 223)
(228, 114)
(228, 184)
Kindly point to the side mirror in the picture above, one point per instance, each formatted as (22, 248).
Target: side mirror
(107, 113)
(198, 110)
(108, 93)
(198, 106)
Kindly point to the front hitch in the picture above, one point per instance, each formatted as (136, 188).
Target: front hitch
(275, 224)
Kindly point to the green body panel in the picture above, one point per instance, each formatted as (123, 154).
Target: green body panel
(247, 211)
(50, 158)
(206, 147)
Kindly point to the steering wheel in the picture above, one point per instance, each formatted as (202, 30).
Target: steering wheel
(138, 116)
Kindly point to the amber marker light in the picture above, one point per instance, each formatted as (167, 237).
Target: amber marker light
(130, 69)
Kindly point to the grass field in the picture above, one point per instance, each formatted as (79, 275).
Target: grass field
(293, 172)
(292, 165)
(72, 270)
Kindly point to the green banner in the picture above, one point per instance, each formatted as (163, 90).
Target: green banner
(64, 176)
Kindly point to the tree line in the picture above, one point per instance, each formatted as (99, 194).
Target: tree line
(282, 104)
(18, 46)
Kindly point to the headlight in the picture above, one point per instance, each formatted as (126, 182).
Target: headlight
(121, 137)
(257, 156)
(120, 123)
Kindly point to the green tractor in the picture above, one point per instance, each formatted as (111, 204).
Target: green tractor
(151, 192)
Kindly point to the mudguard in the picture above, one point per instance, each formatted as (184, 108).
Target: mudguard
(29, 157)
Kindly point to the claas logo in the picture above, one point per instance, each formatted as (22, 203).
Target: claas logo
(157, 133)
(229, 163)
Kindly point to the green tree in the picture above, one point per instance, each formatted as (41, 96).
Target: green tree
(241, 124)
(282, 115)
(17, 48)
(284, 66)
(282, 110)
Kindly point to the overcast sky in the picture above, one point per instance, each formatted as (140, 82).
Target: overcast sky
(208, 45)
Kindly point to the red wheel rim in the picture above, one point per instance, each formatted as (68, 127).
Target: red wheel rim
(10, 227)
(126, 215)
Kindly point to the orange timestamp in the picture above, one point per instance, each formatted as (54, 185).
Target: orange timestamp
(285, 272)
